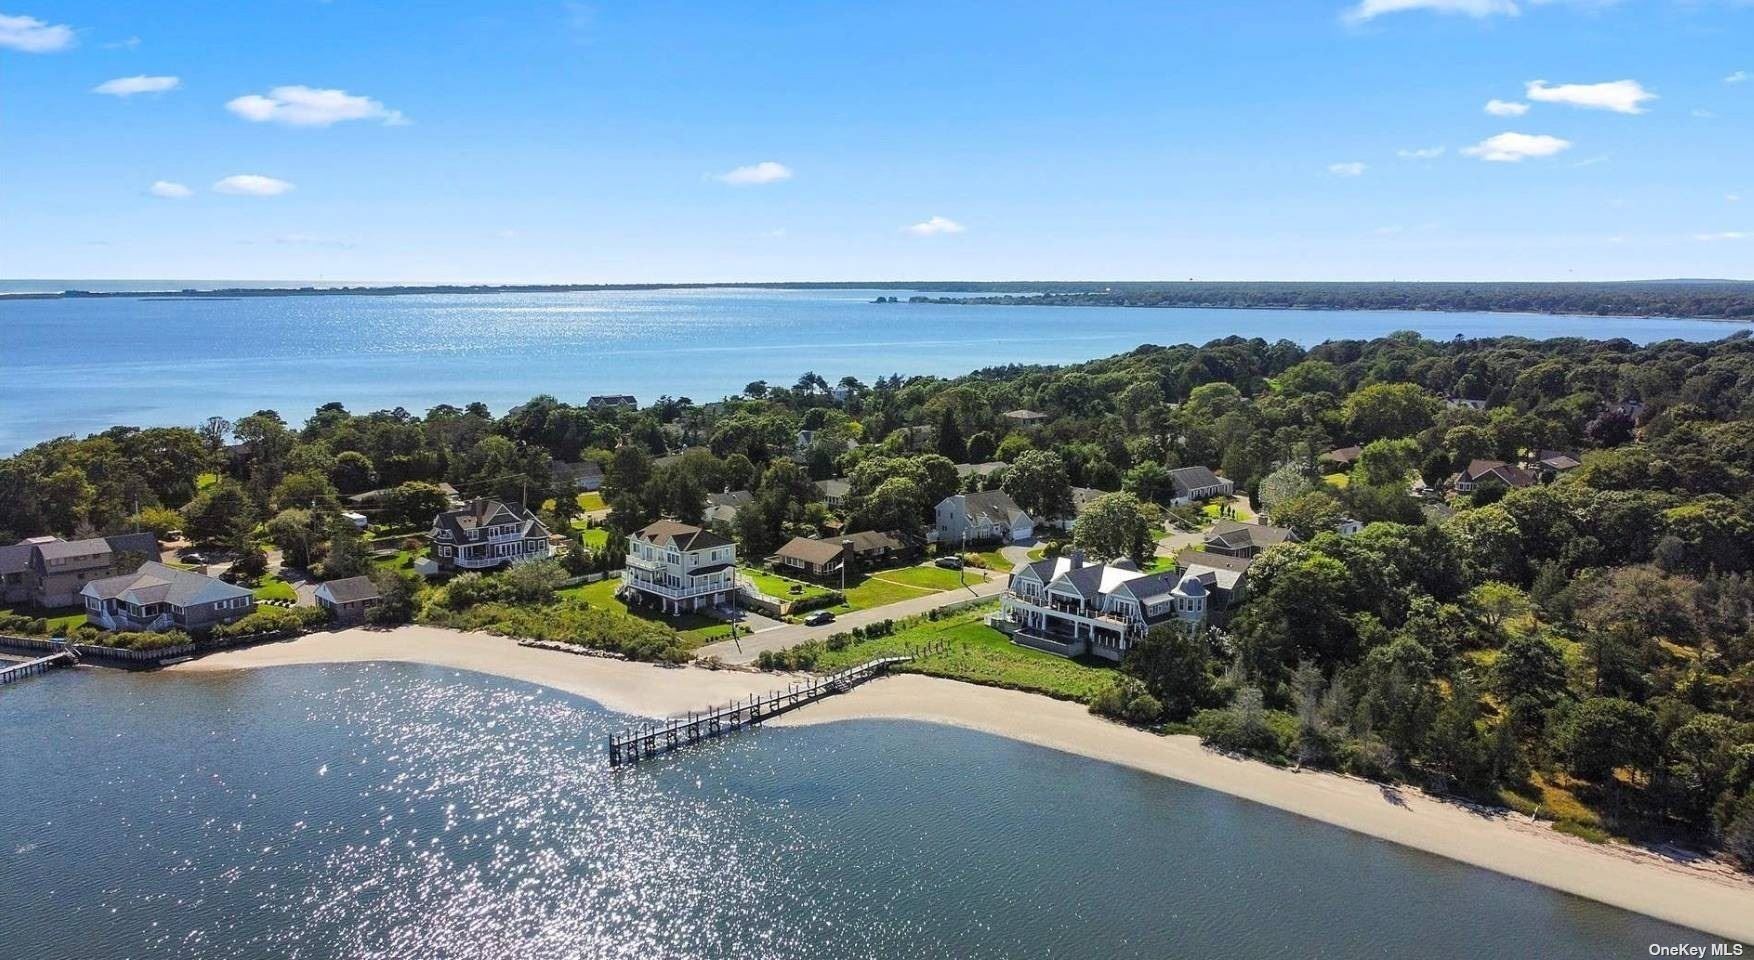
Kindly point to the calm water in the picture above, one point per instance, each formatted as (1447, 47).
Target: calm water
(159, 362)
(398, 811)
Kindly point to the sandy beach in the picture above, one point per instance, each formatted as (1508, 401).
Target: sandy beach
(1704, 896)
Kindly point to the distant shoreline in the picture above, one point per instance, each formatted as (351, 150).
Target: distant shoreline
(1720, 300)
(1701, 895)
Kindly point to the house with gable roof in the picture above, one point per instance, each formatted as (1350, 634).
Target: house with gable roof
(1071, 608)
(990, 516)
(486, 535)
(678, 567)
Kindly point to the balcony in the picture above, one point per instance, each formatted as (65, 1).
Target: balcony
(677, 592)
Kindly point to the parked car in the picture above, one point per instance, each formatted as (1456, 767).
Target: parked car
(949, 563)
(818, 618)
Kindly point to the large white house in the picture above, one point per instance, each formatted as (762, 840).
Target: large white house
(486, 535)
(986, 517)
(677, 567)
(1065, 606)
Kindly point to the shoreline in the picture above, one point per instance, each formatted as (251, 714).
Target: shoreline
(1705, 896)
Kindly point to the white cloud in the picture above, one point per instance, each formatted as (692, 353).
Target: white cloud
(1351, 168)
(1732, 198)
(1516, 147)
(1506, 108)
(1421, 153)
(1371, 9)
(1620, 96)
(129, 86)
(169, 189)
(1740, 76)
(934, 226)
(30, 35)
(1724, 235)
(301, 106)
(252, 185)
(755, 174)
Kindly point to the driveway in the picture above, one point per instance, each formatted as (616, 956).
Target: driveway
(746, 648)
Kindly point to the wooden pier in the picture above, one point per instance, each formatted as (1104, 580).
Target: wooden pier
(64, 657)
(662, 736)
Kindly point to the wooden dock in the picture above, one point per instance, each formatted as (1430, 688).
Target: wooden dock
(662, 736)
(64, 657)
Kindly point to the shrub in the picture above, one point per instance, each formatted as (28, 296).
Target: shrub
(1367, 757)
(569, 621)
(1246, 726)
(133, 640)
(273, 620)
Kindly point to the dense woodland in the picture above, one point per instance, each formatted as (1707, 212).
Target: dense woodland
(1670, 298)
(1586, 645)
(1720, 299)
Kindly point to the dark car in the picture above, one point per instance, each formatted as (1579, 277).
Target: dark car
(818, 618)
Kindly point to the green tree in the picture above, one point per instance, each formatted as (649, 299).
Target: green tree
(295, 532)
(1600, 735)
(1174, 666)
(1037, 482)
(160, 520)
(1387, 410)
(1496, 602)
(1113, 526)
(1529, 679)
(217, 511)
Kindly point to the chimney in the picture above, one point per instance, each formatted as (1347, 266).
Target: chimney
(1077, 558)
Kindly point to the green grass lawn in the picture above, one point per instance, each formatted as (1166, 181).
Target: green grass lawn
(980, 654)
(400, 560)
(66, 617)
(991, 559)
(594, 538)
(592, 501)
(276, 589)
(780, 587)
(695, 628)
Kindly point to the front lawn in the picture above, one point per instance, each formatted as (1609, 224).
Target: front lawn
(695, 628)
(592, 500)
(978, 654)
(276, 589)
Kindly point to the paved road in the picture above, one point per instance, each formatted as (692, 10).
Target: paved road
(746, 648)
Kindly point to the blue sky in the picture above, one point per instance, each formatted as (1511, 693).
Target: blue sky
(602, 142)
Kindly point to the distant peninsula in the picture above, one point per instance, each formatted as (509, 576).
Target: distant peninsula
(1693, 299)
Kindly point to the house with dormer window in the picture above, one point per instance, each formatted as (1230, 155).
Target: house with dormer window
(678, 567)
(487, 535)
(1071, 608)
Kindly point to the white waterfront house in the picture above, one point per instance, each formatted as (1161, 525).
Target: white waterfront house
(1068, 607)
(487, 535)
(678, 567)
